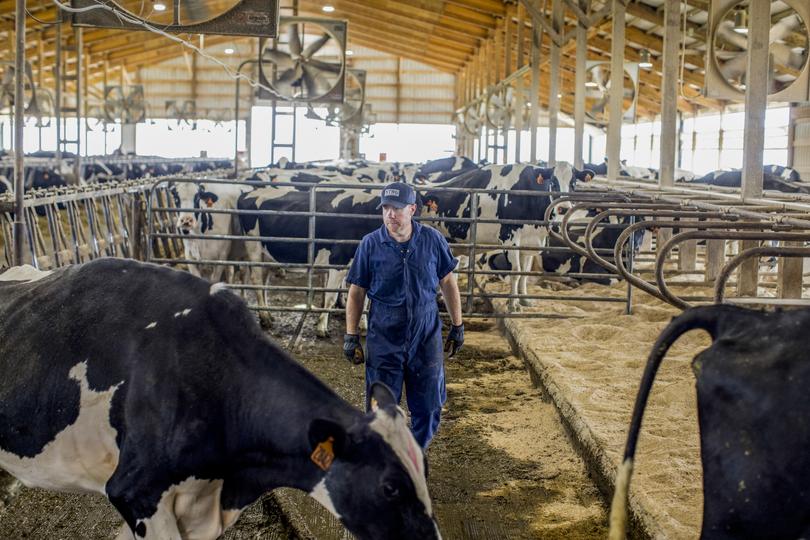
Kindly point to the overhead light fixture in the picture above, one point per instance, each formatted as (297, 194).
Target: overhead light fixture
(591, 84)
(159, 6)
(349, 52)
(740, 21)
(559, 96)
(229, 51)
(328, 9)
(645, 63)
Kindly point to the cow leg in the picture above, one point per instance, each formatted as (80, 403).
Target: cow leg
(514, 280)
(125, 533)
(333, 280)
(256, 276)
(526, 265)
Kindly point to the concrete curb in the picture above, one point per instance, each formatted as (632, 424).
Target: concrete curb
(602, 469)
(307, 518)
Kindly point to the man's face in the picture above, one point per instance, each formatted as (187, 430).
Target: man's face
(397, 220)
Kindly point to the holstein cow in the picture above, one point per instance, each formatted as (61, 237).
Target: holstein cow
(336, 200)
(753, 416)
(503, 206)
(158, 390)
(785, 173)
(209, 223)
(734, 179)
(438, 171)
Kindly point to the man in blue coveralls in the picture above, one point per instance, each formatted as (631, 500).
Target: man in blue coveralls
(400, 266)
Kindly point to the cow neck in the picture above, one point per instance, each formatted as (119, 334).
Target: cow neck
(279, 401)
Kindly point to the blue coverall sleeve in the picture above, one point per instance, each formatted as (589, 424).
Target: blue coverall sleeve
(359, 274)
(445, 262)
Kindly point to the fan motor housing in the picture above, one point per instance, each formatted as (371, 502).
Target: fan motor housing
(257, 18)
(337, 28)
(716, 84)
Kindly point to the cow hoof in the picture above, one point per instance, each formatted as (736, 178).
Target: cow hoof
(322, 333)
(525, 302)
(266, 320)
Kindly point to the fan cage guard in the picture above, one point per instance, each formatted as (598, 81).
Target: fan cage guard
(338, 30)
(716, 84)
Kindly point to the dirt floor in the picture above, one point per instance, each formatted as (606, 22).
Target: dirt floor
(502, 465)
(593, 363)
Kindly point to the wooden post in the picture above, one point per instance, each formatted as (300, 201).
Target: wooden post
(669, 93)
(614, 131)
(579, 86)
(789, 281)
(558, 24)
(715, 258)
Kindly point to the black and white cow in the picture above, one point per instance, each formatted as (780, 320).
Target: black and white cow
(438, 171)
(753, 416)
(335, 200)
(734, 179)
(503, 206)
(159, 391)
(785, 173)
(206, 224)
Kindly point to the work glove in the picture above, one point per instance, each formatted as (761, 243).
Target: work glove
(455, 339)
(352, 349)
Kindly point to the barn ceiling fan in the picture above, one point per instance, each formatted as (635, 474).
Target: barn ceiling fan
(129, 107)
(222, 17)
(7, 86)
(354, 101)
(727, 50)
(472, 118)
(598, 85)
(41, 107)
(184, 113)
(307, 62)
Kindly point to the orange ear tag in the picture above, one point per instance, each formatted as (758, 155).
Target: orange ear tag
(323, 455)
(540, 179)
(209, 202)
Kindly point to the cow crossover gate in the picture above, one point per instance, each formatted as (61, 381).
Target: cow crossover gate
(138, 219)
(473, 289)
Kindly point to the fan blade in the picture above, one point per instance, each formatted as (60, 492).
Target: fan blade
(281, 59)
(294, 40)
(735, 67)
(310, 83)
(288, 76)
(726, 30)
(783, 28)
(599, 106)
(316, 45)
(354, 93)
(324, 66)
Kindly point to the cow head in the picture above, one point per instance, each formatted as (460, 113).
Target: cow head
(375, 479)
(188, 222)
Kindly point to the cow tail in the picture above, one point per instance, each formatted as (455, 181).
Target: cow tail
(705, 318)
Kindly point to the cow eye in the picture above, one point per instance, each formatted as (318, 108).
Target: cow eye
(390, 491)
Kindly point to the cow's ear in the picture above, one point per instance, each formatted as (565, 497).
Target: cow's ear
(380, 396)
(327, 439)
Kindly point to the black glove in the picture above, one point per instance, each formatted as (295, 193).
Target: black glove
(455, 339)
(352, 349)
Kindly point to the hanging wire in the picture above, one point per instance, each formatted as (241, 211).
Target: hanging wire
(124, 17)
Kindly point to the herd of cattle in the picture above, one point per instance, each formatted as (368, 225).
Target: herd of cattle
(192, 413)
(97, 169)
(511, 210)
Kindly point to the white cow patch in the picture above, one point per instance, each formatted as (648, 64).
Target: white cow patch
(151, 325)
(83, 456)
(190, 510)
(321, 494)
(25, 272)
(217, 287)
(394, 431)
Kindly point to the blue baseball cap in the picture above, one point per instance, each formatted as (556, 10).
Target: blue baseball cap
(398, 194)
